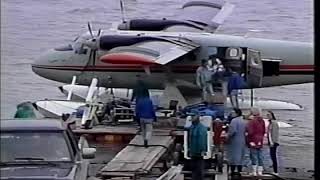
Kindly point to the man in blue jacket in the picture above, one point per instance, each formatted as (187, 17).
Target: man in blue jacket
(197, 147)
(235, 83)
(140, 90)
(145, 112)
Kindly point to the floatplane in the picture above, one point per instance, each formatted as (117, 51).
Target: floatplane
(167, 52)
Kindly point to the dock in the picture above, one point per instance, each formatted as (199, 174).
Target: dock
(135, 159)
(112, 130)
(137, 162)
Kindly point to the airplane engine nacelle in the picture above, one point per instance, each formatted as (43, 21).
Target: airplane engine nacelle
(155, 24)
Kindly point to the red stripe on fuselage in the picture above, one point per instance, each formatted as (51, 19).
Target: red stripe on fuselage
(160, 68)
(310, 67)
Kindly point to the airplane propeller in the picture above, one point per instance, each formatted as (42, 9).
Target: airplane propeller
(92, 44)
(122, 11)
(90, 29)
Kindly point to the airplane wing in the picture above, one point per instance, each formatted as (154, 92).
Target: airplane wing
(194, 16)
(161, 51)
(210, 13)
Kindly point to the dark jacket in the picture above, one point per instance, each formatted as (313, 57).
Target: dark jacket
(255, 132)
(140, 91)
(145, 110)
(197, 139)
(235, 82)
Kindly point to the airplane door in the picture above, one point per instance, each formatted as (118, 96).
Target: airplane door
(254, 68)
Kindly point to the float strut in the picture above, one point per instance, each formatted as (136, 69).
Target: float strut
(251, 97)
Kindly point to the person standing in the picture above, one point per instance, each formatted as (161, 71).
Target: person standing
(146, 114)
(255, 133)
(236, 141)
(204, 79)
(140, 91)
(273, 139)
(235, 83)
(197, 147)
(199, 74)
(218, 141)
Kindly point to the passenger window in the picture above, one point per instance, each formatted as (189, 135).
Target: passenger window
(233, 52)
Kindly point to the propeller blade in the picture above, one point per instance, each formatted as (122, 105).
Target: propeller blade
(90, 29)
(99, 32)
(122, 11)
(94, 57)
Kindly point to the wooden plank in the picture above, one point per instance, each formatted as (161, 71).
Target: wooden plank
(107, 130)
(119, 174)
(137, 159)
(120, 130)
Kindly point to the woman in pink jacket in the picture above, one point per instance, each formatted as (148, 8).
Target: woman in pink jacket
(255, 132)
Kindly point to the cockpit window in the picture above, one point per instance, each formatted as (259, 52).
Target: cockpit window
(64, 48)
(81, 51)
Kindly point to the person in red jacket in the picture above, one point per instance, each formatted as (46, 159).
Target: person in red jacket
(255, 131)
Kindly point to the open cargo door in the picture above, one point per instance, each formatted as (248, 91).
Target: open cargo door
(254, 68)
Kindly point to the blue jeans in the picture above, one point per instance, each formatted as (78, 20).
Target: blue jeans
(256, 156)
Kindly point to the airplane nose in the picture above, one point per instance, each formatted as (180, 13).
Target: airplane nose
(52, 65)
(46, 65)
(39, 64)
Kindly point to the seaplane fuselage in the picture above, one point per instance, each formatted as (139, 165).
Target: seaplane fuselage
(284, 62)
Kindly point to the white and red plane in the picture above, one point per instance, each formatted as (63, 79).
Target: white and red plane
(167, 53)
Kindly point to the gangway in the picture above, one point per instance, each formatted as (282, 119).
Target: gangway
(136, 160)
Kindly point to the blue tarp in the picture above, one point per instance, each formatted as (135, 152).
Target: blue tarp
(205, 110)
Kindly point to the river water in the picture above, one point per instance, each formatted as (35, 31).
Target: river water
(29, 27)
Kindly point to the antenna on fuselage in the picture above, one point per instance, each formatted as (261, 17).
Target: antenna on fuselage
(122, 11)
